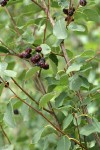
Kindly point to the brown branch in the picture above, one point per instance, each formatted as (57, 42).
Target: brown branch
(10, 50)
(39, 5)
(44, 39)
(46, 10)
(4, 133)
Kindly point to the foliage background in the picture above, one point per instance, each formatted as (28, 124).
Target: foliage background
(83, 48)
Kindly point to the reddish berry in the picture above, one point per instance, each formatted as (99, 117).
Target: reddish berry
(46, 66)
(25, 55)
(28, 50)
(82, 2)
(3, 3)
(35, 58)
(38, 49)
(41, 62)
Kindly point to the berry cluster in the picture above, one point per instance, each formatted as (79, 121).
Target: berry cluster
(37, 59)
(69, 12)
(26, 53)
(4, 3)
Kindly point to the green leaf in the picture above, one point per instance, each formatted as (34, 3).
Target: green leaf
(53, 66)
(10, 73)
(8, 116)
(45, 99)
(37, 136)
(7, 147)
(75, 82)
(3, 66)
(91, 14)
(31, 72)
(76, 27)
(59, 29)
(3, 49)
(45, 49)
(54, 58)
(28, 36)
(25, 111)
(67, 121)
(74, 67)
(48, 130)
(60, 99)
(63, 144)
(1, 87)
(87, 130)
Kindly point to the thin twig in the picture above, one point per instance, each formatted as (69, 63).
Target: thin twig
(45, 29)
(10, 50)
(74, 115)
(5, 134)
(39, 5)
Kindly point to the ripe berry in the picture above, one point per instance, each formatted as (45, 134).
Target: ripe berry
(46, 66)
(38, 49)
(35, 58)
(82, 2)
(16, 112)
(28, 50)
(65, 11)
(3, 3)
(25, 55)
(41, 62)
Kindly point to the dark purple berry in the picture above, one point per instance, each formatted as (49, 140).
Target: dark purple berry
(65, 11)
(3, 3)
(16, 112)
(38, 49)
(28, 50)
(27, 55)
(46, 66)
(6, 84)
(41, 62)
(35, 58)
(82, 2)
